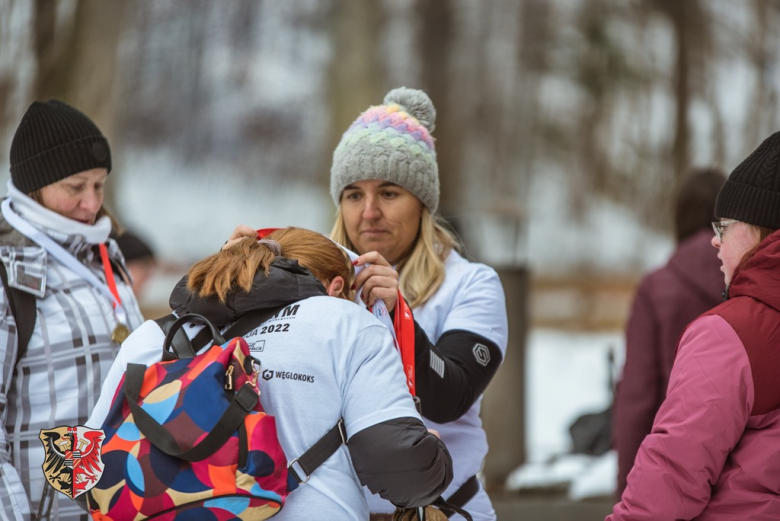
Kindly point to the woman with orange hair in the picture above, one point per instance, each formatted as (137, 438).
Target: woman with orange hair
(323, 359)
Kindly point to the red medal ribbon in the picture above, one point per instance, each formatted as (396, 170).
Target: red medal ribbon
(403, 323)
(109, 274)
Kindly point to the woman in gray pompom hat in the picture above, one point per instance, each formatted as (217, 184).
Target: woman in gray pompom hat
(449, 313)
(385, 182)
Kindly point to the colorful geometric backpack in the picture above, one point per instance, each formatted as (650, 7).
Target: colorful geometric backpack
(188, 439)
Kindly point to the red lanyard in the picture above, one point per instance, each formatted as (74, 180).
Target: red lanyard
(403, 324)
(109, 274)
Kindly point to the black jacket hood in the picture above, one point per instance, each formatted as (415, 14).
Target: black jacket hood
(287, 282)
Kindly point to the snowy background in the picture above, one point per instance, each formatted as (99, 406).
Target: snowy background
(567, 375)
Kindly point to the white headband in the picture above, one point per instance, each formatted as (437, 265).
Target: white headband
(272, 245)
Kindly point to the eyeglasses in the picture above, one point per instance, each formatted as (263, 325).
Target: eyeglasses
(720, 226)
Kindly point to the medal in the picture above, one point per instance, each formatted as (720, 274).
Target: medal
(120, 333)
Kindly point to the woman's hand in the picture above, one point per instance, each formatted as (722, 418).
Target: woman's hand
(379, 280)
(240, 233)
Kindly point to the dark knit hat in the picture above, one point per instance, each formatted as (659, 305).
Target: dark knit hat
(752, 192)
(55, 141)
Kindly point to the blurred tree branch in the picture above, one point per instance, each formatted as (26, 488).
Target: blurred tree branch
(356, 77)
(76, 60)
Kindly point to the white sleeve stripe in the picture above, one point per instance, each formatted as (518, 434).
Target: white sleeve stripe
(437, 364)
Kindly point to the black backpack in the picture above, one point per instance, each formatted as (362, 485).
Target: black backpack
(22, 306)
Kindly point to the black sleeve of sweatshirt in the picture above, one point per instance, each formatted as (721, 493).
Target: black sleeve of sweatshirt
(402, 462)
(451, 375)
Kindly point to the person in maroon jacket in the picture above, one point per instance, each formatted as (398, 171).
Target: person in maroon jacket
(666, 301)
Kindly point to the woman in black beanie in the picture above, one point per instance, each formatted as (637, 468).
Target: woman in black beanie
(66, 305)
(713, 450)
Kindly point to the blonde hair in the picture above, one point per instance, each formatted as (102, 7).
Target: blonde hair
(236, 267)
(422, 270)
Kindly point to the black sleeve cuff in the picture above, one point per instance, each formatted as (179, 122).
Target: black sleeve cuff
(401, 461)
(451, 375)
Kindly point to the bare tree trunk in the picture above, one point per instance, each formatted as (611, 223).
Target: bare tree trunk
(678, 13)
(9, 83)
(76, 60)
(762, 52)
(437, 28)
(90, 69)
(53, 51)
(90, 79)
(356, 76)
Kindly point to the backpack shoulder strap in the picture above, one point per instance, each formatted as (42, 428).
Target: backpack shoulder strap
(318, 453)
(456, 502)
(250, 321)
(22, 306)
(185, 348)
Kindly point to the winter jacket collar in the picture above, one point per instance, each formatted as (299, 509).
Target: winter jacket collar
(287, 282)
(26, 262)
(759, 277)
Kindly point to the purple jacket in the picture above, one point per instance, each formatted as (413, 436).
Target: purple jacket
(667, 300)
(714, 451)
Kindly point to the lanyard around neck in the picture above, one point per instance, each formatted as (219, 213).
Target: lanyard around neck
(62, 255)
(109, 271)
(403, 327)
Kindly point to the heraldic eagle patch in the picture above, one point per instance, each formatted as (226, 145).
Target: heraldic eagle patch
(73, 462)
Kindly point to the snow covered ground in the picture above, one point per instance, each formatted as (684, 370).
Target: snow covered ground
(567, 375)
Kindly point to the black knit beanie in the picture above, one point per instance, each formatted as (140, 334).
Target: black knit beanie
(55, 141)
(752, 192)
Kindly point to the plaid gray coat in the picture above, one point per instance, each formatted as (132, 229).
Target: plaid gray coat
(58, 381)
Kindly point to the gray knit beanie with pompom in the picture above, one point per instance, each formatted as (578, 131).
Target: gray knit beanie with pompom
(391, 142)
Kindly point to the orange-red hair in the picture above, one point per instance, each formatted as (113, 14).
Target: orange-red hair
(236, 267)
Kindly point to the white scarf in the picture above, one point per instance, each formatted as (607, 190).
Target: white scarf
(57, 226)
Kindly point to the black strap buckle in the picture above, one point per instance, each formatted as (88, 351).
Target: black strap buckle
(297, 475)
